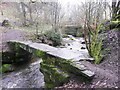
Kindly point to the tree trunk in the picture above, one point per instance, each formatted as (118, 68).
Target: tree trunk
(24, 13)
(30, 11)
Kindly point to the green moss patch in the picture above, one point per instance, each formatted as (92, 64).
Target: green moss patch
(6, 68)
(52, 67)
(53, 75)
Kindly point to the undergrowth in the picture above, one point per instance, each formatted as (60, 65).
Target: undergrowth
(96, 47)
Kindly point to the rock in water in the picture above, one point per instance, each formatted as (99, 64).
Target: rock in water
(29, 76)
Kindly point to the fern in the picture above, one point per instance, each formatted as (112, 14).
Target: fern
(95, 47)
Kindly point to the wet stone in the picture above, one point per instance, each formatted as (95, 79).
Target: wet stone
(43, 47)
(79, 66)
(88, 73)
(63, 53)
(28, 77)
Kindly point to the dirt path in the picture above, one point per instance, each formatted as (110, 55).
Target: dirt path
(105, 77)
(10, 34)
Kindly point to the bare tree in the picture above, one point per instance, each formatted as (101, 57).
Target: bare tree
(30, 12)
(23, 11)
(93, 16)
(55, 14)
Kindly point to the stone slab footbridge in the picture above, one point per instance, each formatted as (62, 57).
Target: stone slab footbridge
(52, 67)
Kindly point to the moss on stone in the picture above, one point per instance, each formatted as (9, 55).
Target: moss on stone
(6, 68)
(39, 53)
(53, 75)
(51, 65)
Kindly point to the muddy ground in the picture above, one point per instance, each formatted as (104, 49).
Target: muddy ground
(7, 34)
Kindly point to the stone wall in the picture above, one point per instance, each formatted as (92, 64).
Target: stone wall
(73, 30)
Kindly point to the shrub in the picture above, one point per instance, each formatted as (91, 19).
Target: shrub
(96, 51)
(96, 47)
(55, 36)
(96, 44)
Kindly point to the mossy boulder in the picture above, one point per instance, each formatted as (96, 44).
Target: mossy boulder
(53, 75)
(54, 36)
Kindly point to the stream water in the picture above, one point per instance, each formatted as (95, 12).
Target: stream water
(76, 45)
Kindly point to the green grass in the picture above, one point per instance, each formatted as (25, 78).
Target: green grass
(33, 28)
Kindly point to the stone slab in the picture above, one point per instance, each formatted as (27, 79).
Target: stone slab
(88, 73)
(63, 53)
(43, 47)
